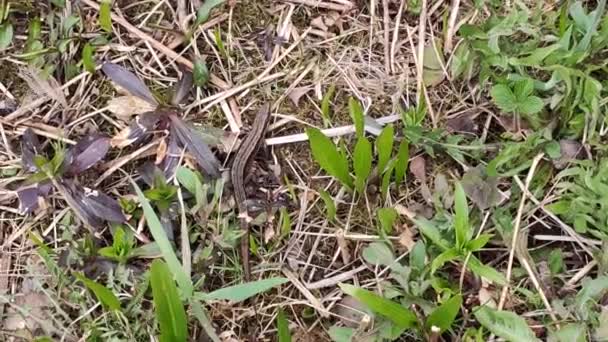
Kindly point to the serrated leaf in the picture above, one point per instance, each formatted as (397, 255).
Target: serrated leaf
(461, 217)
(6, 35)
(384, 146)
(403, 157)
(362, 163)
(283, 327)
(330, 205)
(378, 253)
(395, 312)
(329, 158)
(504, 98)
(387, 217)
(530, 105)
(505, 324)
(87, 58)
(105, 17)
(203, 12)
(169, 309)
(103, 294)
(443, 316)
(356, 114)
(240, 292)
(523, 88)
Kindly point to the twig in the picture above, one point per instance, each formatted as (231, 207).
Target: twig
(314, 301)
(321, 4)
(505, 289)
(449, 34)
(327, 282)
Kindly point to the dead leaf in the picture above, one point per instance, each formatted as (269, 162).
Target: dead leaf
(343, 244)
(350, 311)
(481, 188)
(485, 297)
(418, 169)
(269, 233)
(406, 238)
(462, 124)
(296, 93)
(126, 106)
(319, 23)
(569, 150)
(403, 211)
(432, 73)
(442, 189)
(43, 86)
(161, 151)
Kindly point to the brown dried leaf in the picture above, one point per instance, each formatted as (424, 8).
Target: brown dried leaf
(406, 238)
(296, 94)
(480, 188)
(350, 311)
(570, 150)
(319, 23)
(43, 86)
(462, 124)
(126, 106)
(418, 168)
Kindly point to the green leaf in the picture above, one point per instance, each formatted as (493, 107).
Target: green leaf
(34, 30)
(430, 231)
(200, 73)
(105, 16)
(158, 232)
(556, 261)
(387, 217)
(356, 113)
(443, 316)
(168, 307)
(445, 256)
(330, 205)
(199, 313)
(418, 256)
(341, 334)
(87, 58)
(188, 179)
(326, 103)
(478, 243)
(386, 177)
(103, 294)
(505, 324)
(530, 105)
(283, 327)
(504, 98)
(432, 62)
(570, 333)
(203, 12)
(378, 253)
(329, 158)
(485, 271)
(461, 217)
(523, 88)
(403, 157)
(240, 292)
(395, 312)
(6, 35)
(384, 146)
(362, 163)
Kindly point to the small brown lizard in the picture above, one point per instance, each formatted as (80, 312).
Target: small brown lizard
(241, 160)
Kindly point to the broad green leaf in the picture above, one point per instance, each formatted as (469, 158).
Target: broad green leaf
(59, 3)
(105, 15)
(6, 35)
(504, 97)
(326, 103)
(505, 324)
(445, 256)
(461, 217)
(34, 30)
(478, 243)
(240, 292)
(553, 149)
(463, 62)
(485, 271)
(403, 157)
(556, 261)
(330, 205)
(283, 327)
(386, 177)
(329, 158)
(443, 316)
(188, 179)
(395, 312)
(341, 334)
(432, 72)
(200, 73)
(87, 58)
(384, 146)
(362, 163)
(530, 105)
(203, 12)
(203, 319)
(428, 229)
(160, 237)
(103, 294)
(523, 88)
(378, 253)
(418, 255)
(570, 333)
(169, 309)
(592, 290)
(70, 22)
(387, 217)
(356, 113)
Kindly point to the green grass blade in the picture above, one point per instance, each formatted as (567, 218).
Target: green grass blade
(403, 157)
(283, 327)
(156, 228)
(105, 16)
(199, 313)
(103, 294)
(362, 163)
(330, 205)
(461, 217)
(384, 146)
(356, 113)
(88, 61)
(398, 314)
(169, 309)
(240, 292)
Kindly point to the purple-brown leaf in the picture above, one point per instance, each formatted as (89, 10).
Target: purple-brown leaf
(195, 145)
(137, 131)
(86, 153)
(28, 199)
(102, 206)
(30, 147)
(129, 81)
(182, 88)
(171, 159)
